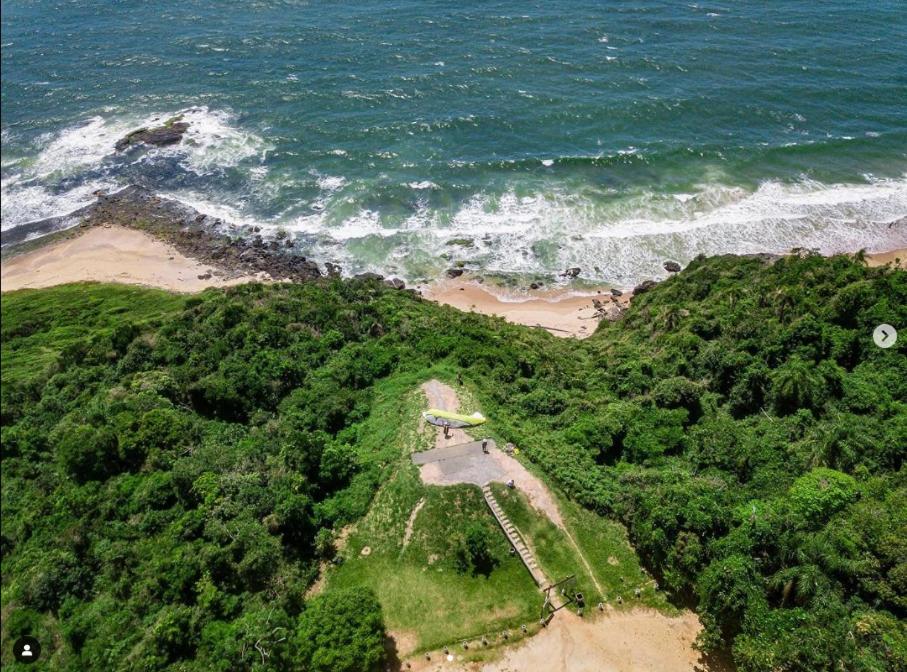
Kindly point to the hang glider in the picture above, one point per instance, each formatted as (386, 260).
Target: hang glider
(455, 420)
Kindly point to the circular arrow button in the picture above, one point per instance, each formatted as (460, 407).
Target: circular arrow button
(885, 335)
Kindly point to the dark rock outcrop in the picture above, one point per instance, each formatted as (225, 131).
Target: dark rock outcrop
(672, 267)
(616, 292)
(192, 233)
(169, 133)
(572, 272)
(396, 283)
(644, 287)
(454, 272)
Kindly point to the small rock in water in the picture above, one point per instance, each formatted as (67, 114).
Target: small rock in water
(170, 133)
(616, 292)
(454, 272)
(572, 272)
(672, 267)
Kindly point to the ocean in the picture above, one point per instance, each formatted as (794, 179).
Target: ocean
(515, 138)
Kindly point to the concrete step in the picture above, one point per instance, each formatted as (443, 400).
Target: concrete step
(512, 534)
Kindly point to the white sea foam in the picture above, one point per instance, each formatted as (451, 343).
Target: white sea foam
(212, 142)
(23, 203)
(330, 182)
(622, 239)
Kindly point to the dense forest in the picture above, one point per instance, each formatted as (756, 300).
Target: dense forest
(175, 468)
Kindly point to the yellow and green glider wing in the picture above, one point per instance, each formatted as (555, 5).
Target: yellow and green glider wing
(456, 420)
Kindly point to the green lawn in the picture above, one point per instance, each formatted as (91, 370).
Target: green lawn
(603, 543)
(424, 597)
(422, 593)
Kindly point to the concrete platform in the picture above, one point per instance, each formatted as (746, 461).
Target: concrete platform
(463, 463)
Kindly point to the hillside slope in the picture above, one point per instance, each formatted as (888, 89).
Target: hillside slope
(175, 469)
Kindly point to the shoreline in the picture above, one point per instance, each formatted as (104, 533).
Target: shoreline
(133, 237)
(114, 254)
(561, 312)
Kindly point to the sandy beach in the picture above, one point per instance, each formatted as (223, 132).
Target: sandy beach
(561, 312)
(896, 257)
(112, 254)
(120, 254)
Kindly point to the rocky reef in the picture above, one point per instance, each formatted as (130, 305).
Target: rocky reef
(169, 133)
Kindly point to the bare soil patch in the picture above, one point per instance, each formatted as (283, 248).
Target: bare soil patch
(642, 640)
(408, 533)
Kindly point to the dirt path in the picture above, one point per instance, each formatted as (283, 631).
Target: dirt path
(339, 545)
(443, 397)
(505, 467)
(408, 533)
(641, 640)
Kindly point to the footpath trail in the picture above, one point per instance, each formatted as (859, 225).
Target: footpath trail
(480, 470)
(637, 640)
(459, 459)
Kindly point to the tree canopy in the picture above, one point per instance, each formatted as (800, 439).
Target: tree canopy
(174, 468)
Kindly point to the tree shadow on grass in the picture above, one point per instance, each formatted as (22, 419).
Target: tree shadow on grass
(393, 656)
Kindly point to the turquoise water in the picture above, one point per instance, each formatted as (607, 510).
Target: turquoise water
(608, 135)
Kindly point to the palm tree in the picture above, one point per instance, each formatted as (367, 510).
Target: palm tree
(670, 316)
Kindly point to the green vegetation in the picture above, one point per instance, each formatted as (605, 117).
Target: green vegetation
(38, 324)
(341, 631)
(175, 469)
(436, 588)
(611, 572)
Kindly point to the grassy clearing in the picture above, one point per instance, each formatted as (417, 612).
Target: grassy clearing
(426, 600)
(607, 549)
(555, 555)
(423, 595)
(603, 543)
(39, 324)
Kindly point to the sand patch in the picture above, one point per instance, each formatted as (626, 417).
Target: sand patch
(112, 254)
(896, 257)
(641, 640)
(561, 313)
(404, 641)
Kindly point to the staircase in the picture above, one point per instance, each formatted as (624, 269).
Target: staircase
(514, 537)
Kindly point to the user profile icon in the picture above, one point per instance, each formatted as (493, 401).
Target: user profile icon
(27, 649)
